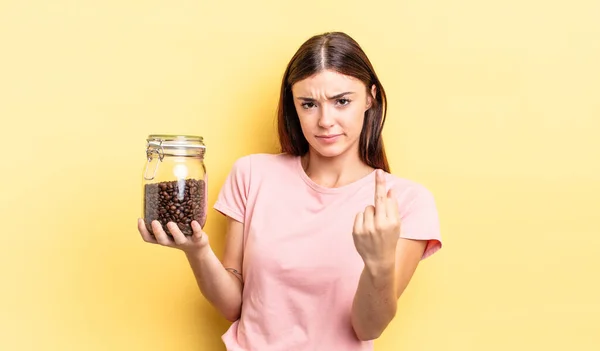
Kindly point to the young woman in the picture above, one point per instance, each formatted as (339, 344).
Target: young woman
(322, 240)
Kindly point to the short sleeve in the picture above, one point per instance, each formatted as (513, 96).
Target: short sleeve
(233, 197)
(420, 221)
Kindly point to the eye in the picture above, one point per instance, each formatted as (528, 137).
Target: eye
(343, 101)
(307, 105)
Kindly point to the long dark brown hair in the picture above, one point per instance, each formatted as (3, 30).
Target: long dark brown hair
(335, 51)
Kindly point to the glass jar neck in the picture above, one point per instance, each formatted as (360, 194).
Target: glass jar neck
(161, 145)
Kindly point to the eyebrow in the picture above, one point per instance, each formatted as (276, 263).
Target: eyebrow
(329, 98)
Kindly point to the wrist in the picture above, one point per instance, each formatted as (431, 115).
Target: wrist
(380, 270)
(198, 253)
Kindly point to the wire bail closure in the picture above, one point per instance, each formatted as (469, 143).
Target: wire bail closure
(153, 148)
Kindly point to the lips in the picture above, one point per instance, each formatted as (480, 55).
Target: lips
(329, 138)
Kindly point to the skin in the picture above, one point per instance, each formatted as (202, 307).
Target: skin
(331, 104)
(331, 110)
(390, 262)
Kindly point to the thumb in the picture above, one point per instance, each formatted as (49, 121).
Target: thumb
(197, 229)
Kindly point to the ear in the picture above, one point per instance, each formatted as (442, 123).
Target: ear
(371, 96)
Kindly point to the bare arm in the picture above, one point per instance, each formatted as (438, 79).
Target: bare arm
(219, 286)
(390, 262)
(379, 288)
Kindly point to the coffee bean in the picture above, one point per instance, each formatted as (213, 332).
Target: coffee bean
(167, 202)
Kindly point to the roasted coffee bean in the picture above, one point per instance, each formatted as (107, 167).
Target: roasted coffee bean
(167, 202)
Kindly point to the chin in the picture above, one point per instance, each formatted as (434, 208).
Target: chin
(330, 151)
(333, 148)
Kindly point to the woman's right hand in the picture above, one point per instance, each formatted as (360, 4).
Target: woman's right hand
(195, 243)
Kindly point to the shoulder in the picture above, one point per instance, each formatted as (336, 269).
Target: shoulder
(258, 163)
(418, 212)
(409, 192)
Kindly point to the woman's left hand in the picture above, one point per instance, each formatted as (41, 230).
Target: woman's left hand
(377, 229)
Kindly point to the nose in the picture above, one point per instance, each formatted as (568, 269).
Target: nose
(326, 119)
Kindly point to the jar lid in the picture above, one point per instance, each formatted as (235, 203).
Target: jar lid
(177, 145)
(168, 140)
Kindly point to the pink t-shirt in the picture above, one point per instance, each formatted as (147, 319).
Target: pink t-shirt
(300, 265)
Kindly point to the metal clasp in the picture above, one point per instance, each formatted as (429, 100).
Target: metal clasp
(153, 148)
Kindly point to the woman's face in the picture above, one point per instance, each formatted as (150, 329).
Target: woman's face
(331, 108)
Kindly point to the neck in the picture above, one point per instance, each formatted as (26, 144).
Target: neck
(334, 172)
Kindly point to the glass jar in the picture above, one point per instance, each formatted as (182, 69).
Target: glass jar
(175, 182)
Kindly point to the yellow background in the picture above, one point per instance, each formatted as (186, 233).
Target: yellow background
(494, 106)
